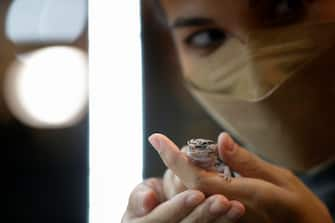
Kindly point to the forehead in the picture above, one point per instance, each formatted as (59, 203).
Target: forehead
(228, 10)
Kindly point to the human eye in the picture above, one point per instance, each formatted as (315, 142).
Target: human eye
(207, 39)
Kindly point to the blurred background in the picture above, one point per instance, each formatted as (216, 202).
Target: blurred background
(44, 109)
(44, 106)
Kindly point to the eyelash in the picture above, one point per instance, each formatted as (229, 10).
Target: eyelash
(215, 37)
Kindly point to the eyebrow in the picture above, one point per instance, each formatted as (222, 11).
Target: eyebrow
(186, 22)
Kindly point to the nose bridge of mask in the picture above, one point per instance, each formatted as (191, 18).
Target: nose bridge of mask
(252, 71)
(225, 71)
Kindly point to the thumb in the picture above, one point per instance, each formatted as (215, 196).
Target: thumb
(246, 163)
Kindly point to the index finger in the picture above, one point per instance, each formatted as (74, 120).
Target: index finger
(175, 160)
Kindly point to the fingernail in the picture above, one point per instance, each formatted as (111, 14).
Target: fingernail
(217, 206)
(155, 142)
(233, 214)
(228, 142)
(194, 198)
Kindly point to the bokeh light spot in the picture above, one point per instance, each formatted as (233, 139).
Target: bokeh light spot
(48, 87)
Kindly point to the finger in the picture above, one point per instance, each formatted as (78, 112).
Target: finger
(177, 208)
(144, 198)
(172, 184)
(246, 163)
(208, 211)
(234, 214)
(176, 160)
(156, 185)
(236, 211)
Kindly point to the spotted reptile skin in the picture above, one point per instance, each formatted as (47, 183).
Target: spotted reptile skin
(204, 154)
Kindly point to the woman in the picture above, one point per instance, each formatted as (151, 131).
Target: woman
(263, 69)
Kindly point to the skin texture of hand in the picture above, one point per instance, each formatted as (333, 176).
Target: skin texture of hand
(270, 193)
(147, 204)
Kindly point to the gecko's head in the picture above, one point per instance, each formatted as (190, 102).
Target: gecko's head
(201, 151)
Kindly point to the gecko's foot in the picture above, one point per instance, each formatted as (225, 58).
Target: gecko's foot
(225, 177)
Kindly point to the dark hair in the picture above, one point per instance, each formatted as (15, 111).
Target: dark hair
(278, 12)
(271, 12)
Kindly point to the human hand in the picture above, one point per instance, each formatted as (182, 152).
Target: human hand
(270, 193)
(147, 204)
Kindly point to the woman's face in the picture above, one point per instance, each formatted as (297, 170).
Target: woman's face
(199, 27)
(238, 58)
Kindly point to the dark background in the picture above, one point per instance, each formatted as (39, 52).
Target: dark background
(46, 171)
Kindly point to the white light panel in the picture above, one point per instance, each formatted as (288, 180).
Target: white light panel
(115, 106)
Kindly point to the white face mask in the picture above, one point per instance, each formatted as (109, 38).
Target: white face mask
(266, 94)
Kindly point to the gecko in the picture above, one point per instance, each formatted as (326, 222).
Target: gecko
(204, 154)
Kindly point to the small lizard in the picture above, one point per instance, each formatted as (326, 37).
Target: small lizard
(204, 154)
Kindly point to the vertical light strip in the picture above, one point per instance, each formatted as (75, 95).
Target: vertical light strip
(115, 106)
